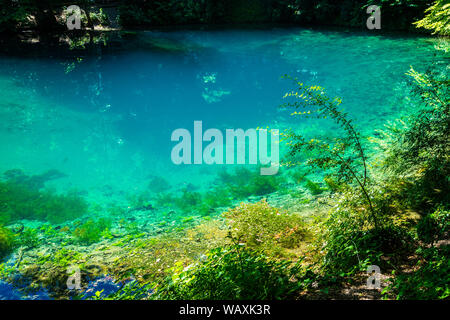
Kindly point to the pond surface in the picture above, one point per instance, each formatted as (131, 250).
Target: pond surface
(106, 120)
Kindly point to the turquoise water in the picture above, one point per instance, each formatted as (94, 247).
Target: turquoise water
(106, 120)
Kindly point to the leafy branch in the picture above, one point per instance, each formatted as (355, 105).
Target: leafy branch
(344, 156)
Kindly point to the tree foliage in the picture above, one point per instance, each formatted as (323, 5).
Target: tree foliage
(437, 19)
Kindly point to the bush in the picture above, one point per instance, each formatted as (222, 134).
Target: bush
(351, 243)
(260, 225)
(434, 226)
(417, 152)
(232, 272)
(437, 18)
(429, 281)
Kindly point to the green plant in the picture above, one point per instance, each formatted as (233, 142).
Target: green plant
(188, 201)
(29, 238)
(22, 197)
(91, 231)
(435, 226)
(351, 243)
(229, 273)
(215, 198)
(437, 19)
(313, 187)
(244, 182)
(429, 281)
(261, 226)
(343, 157)
(158, 184)
(417, 152)
(7, 242)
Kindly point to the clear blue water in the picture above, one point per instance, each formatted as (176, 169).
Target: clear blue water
(107, 123)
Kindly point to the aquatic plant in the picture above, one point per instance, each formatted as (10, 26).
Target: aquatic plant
(158, 184)
(213, 199)
(244, 182)
(116, 210)
(106, 288)
(35, 182)
(313, 187)
(21, 197)
(261, 226)
(61, 258)
(7, 242)
(149, 259)
(29, 238)
(188, 200)
(91, 231)
(164, 200)
(100, 288)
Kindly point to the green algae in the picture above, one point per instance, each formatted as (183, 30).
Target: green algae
(23, 197)
(7, 242)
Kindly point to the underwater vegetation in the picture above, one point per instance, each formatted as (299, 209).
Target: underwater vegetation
(243, 183)
(158, 184)
(7, 242)
(92, 230)
(29, 238)
(261, 226)
(24, 197)
(343, 201)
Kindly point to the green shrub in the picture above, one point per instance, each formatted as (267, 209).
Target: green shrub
(229, 273)
(437, 19)
(429, 281)
(417, 153)
(6, 242)
(434, 226)
(342, 157)
(351, 243)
